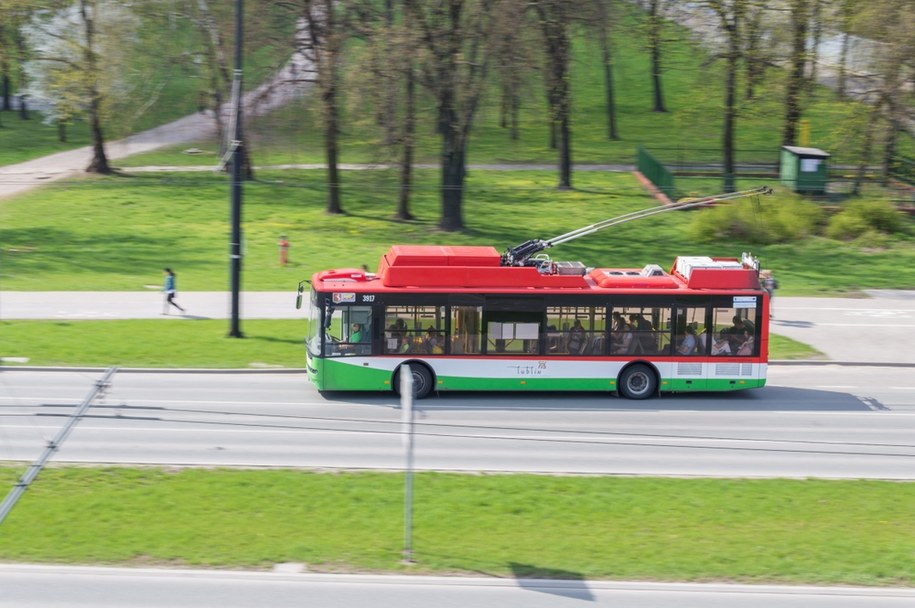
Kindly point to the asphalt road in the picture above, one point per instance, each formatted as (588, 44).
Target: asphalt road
(848, 422)
(53, 587)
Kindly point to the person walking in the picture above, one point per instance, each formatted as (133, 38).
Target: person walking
(169, 290)
(769, 284)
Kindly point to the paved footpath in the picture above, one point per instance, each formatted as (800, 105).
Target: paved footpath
(876, 329)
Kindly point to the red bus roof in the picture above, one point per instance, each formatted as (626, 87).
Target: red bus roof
(446, 268)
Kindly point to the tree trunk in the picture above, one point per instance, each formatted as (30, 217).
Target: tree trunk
(6, 85)
(795, 84)
(889, 147)
(730, 114)
(612, 133)
(61, 131)
(843, 66)
(23, 107)
(816, 21)
(866, 147)
(654, 43)
(330, 148)
(99, 163)
(554, 23)
(409, 133)
(453, 172)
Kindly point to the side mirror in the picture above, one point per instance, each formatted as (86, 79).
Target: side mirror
(298, 299)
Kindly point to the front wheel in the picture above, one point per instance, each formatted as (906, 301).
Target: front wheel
(638, 382)
(422, 380)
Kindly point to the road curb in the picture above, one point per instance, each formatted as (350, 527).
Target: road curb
(845, 363)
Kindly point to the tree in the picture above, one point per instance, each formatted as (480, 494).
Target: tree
(454, 37)
(553, 16)
(513, 51)
(891, 24)
(215, 71)
(731, 17)
(756, 59)
(319, 39)
(388, 74)
(14, 14)
(79, 59)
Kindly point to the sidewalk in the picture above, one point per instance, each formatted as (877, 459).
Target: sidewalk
(878, 329)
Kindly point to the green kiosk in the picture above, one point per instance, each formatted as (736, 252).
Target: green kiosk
(804, 169)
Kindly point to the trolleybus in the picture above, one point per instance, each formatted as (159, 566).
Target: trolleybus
(470, 318)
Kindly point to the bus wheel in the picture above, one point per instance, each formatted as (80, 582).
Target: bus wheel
(422, 380)
(638, 382)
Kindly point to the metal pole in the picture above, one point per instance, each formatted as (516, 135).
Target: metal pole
(406, 403)
(235, 241)
(22, 485)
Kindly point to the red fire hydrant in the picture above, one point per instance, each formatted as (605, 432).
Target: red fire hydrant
(284, 250)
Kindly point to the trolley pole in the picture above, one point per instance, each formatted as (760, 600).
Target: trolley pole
(406, 403)
(23, 484)
(235, 241)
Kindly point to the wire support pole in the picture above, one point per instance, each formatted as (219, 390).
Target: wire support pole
(23, 484)
(406, 403)
(235, 255)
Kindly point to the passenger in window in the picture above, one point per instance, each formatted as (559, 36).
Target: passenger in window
(623, 342)
(554, 341)
(576, 338)
(720, 345)
(735, 333)
(397, 333)
(688, 345)
(645, 340)
(619, 323)
(746, 348)
(432, 342)
(356, 335)
(703, 342)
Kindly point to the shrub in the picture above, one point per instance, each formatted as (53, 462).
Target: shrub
(774, 220)
(862, 216)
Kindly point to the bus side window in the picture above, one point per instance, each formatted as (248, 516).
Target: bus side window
(734, 331)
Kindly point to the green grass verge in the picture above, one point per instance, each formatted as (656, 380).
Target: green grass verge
(192, 343)
(810, 532)
(175, 342)
(782, 348)
(117, 233)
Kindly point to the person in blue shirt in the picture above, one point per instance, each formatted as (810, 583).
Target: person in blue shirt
(169, 290)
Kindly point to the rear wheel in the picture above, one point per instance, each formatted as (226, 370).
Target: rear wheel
(638, 382)
(422, 380)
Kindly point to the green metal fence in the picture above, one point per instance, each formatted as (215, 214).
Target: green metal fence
(656, 173)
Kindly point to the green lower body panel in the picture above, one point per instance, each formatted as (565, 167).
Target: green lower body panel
(376, 374)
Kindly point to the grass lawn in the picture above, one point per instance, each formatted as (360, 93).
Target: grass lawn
(189, 343)
(177, 342)
(22, 140)
(799, 532)
(117, 233)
